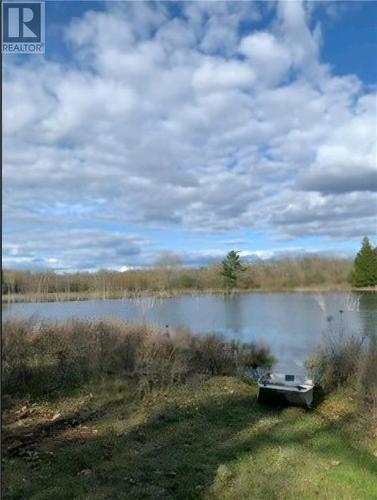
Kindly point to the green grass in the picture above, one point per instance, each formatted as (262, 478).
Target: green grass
(205, 439)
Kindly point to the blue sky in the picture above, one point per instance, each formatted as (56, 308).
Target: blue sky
(194, 128)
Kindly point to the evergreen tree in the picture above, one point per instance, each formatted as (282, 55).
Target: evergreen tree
(231, 267)
(364, 271)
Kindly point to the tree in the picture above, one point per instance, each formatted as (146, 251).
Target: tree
(231, 268)
(364, 271)
(167, 264)
(168, 260)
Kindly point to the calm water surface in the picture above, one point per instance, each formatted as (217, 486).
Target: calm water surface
(291, 323)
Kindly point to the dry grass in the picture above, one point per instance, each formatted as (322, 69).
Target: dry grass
(367, 381)
(348, 362)
(41, 358)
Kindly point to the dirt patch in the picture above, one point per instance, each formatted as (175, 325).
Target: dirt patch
(25, 427)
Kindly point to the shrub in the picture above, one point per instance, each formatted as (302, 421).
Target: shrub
(367, 381)
(335, 362)
(17, 353)
(185, 281)
(255, 358)
(52, 355)
(210, 354)
(41, 358)
(156, 362)
(348, 362)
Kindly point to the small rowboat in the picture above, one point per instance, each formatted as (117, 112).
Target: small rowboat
(275, 387)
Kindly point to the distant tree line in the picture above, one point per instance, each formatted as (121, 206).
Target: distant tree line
(274, 274)
(169, 275)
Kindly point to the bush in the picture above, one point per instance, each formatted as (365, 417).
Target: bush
(255, 358)
(336, 361)
(156, 362)
(348, 362)
(41, 358)
(210, 354)
(367, 382)
(17, 353)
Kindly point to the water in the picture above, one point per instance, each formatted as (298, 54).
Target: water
(292, 324)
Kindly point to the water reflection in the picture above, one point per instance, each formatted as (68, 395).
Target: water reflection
(368, 314)
(233, 313)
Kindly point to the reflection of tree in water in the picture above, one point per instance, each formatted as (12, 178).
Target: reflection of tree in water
(233, 313)
(368, 313)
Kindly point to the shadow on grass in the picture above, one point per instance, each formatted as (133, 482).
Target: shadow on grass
(176, 453)
(194, 447)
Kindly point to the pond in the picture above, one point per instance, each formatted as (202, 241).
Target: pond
(292, 324)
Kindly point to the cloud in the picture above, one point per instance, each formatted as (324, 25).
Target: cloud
(71, 250)
(347, 160)
(303, 43)
(215, 256)
(182, 119)
(270, 57)
(220, 74)
(336, 216)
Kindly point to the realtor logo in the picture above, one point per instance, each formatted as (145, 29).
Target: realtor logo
(23, 28)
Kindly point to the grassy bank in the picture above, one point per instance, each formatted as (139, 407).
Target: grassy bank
(103, 410)
(206, 438)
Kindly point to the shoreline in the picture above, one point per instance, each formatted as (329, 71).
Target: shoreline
(168, 294)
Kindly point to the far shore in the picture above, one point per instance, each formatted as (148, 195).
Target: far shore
(166, 294)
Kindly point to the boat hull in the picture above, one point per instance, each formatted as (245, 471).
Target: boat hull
(274, 395)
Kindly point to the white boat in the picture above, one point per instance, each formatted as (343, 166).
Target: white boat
(276, 387)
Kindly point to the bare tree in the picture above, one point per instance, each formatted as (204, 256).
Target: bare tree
(168, 260)
(167, 263)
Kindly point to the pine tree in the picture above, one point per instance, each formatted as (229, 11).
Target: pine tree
(364, 271)
(231, 268)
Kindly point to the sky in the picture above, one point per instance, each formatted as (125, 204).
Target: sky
(194, 128)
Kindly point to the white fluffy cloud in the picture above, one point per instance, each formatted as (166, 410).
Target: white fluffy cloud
(162, 120)
(271, 59)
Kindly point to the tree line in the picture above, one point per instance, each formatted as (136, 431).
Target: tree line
(231, 273)
(276, 274)
(363, 273)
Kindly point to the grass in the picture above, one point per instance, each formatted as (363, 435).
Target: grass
(107, 410)
(204, 439)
